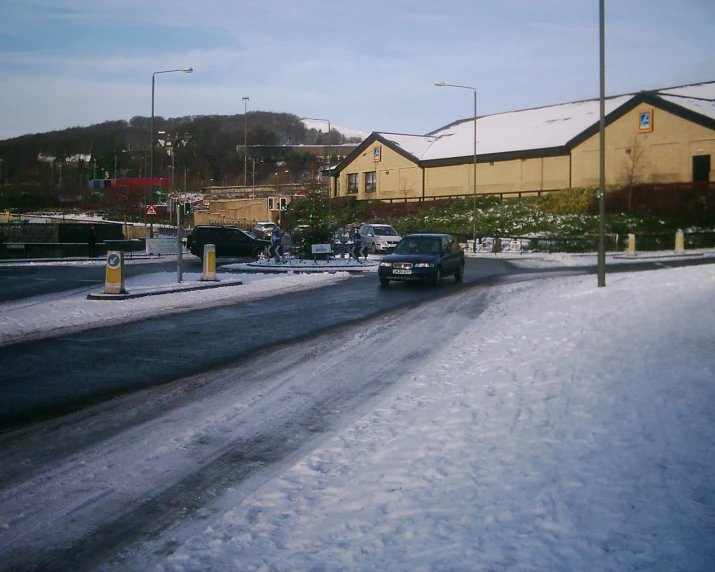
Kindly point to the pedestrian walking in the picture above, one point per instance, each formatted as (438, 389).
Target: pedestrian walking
(92, 241)
(357, 245)
(286, 244)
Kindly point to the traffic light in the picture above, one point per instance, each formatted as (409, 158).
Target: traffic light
(187, 209)
(284, 203)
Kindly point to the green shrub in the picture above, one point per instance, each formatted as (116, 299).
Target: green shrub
(568, 201)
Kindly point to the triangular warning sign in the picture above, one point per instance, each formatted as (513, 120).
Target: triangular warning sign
(150, 210)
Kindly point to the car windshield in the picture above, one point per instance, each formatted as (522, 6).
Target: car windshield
(418, 245)
(385, 231)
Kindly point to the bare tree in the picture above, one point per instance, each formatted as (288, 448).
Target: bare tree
(632, 167)
(406, 189)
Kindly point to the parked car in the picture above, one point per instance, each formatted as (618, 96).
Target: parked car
(379, 237)
(264, 229)
(228, 240)
(425, 257)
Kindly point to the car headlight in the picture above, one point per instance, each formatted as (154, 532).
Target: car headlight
(424, 265)
(386, 264)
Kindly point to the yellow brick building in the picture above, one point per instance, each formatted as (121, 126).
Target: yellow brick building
(663, 136)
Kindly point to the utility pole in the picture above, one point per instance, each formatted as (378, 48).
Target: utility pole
(602, 153)
(245, 141)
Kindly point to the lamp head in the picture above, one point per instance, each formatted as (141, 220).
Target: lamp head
(440, 83)
(187, 70)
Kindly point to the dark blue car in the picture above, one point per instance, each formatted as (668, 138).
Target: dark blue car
(423, 257)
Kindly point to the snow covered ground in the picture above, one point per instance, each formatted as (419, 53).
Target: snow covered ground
(567, 427)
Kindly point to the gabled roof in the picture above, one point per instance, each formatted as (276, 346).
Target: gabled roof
(543, 131)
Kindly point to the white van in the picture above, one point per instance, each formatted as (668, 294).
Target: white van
(379, 237)
(264, 229)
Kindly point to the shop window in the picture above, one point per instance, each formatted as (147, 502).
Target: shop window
(370, 182)
(352, 183)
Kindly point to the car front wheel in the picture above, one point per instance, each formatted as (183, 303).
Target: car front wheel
(459, 274)
(384, 282)
(437, 280)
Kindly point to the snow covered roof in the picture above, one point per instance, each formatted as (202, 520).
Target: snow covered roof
(553, 127)
(699, 98)
(540, 128)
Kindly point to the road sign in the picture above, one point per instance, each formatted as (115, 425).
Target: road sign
(113, 260)
(321, 248)
(150, 210)
(114, 276)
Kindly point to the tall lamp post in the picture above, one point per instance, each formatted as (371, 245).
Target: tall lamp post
(151, 127)
(245, 141)
(329, 173)
(474, 175)
(602, 152)
(179, 245)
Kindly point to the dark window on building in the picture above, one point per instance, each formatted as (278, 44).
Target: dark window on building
(352, 184)
(370, 182)
(701, 168)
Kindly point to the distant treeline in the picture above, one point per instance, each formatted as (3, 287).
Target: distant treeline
(208, 149)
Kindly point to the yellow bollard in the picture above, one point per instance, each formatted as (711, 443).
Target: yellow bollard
(631, 245)
(209, 270)
(114, 277)
(679, 242)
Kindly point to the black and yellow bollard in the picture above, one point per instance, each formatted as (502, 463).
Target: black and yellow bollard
(209, 270)
(114, 277)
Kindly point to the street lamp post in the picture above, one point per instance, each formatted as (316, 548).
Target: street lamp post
(474, 175)
(330, 192)
(151, 128)
(602, 152)
(245, 141)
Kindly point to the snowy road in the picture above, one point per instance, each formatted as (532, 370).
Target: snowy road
(186, 444)
(546, 425)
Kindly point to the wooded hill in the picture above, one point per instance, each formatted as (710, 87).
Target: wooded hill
(43, 168)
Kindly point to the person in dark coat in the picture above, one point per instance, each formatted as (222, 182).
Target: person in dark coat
(357, 245)
(92, 241)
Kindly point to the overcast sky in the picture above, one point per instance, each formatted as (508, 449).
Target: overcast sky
(364, 65)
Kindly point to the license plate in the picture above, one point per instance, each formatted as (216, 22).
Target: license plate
(400, 271)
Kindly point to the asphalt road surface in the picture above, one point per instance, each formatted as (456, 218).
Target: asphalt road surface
(18, 281)
(53, 376)
(50, 377)
(77, 491)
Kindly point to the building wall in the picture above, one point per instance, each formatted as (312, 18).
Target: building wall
(239, 212)
(396, 176)
(663, 155)
(400, 178)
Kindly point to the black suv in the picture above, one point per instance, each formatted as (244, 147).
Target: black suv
(228, 240)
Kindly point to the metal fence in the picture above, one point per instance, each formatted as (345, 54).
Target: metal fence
(646, 242)
(62, 240)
